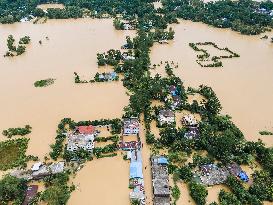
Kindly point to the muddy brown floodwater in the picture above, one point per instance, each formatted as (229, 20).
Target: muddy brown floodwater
(72, 46)
(244, 86)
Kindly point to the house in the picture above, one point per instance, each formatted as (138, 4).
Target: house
(192, 133)
(126, 56)
(210, 174)
(189, 120)
(166, 117)
(160, 180)
(173, 90)
(130, 126)
(235, 170)
(136, 170)
(30, 193)
(80, 141)
(46, 170)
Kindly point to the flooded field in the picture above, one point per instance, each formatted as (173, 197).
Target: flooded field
(243, 84)
(244, 87)
(72, 47)
(102, 181)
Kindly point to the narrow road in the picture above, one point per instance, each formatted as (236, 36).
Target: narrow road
(146, 153)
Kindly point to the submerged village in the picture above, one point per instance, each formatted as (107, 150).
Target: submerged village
(169, 134)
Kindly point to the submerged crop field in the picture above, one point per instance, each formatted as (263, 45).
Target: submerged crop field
(141, 102)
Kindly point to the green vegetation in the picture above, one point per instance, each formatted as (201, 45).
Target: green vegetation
(226, 198)
(57, 192)
(175, 193)
(13, 153)
(265, 132)
(198, 192)
(21, 48)
(17, 131)
(262, 186)
(205, 57)
(44, 83)
(12, 190)
(244, 16)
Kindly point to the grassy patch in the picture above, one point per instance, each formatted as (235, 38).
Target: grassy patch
(265, 132)
(44, 83)
(13, 153)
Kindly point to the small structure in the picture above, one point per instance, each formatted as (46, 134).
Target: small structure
(166, 117)
(163, 42)
(132, 145)
(189, 120)
(130, 126)
(36, 166)
(210, 174)
(173, 90)
(127, 56)
(160, 179)
(235, 170)
(108, 76)
(31, 192)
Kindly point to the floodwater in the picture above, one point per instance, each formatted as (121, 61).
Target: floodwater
(243, 85)
(102, 181)
(72, 46)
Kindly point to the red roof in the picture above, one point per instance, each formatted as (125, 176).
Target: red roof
(86, 129)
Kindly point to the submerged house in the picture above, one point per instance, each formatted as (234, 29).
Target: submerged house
(166, 117)
(189, 120)
(46, 170)
(211, 174)
(82, 138)
(39, 172)
(130, 126)
(160, 179)
(235, 170)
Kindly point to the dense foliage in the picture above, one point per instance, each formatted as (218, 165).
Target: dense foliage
(12, 190)
(17, 131)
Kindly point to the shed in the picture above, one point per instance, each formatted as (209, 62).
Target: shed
(36, 166)
(243, 176)
(136, 170)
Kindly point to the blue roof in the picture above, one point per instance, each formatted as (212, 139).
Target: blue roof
(162, 160)
(243, 176)
(136, 170)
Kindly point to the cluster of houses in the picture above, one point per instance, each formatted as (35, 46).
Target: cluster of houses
(191, 124)
(211, 174)
(81, 138)
(133, 148)
(111, 76)
(39, 171)
(166, 117)
(160, 180)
